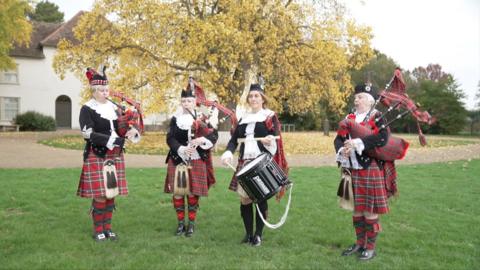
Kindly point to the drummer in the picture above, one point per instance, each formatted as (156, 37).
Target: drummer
(258, 128)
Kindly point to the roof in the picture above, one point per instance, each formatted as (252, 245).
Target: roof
(46, 34)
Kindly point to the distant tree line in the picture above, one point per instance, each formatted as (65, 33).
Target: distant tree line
(430, 87)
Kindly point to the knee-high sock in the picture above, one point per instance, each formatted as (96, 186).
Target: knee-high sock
(247, 216)
(107, 218)
(359, 225)
(192, 207)
(179, 205)
(258, 221)
(98, 211)
(372, 227)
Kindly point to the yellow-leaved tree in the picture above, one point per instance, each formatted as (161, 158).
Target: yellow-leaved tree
(14, 28)
(304, 51)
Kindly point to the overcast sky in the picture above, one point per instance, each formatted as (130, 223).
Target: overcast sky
(412, 32)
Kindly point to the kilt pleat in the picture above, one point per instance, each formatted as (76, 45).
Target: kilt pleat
(234, 182)
(198, 178)
(91, 179)
(369, 189)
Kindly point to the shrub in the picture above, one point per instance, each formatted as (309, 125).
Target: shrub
(35, 121)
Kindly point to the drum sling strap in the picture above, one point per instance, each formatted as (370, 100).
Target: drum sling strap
(285, 214)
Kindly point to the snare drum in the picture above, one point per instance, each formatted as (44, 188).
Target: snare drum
(262, 178)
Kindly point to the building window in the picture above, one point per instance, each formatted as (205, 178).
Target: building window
(9, 108)
(9, 76)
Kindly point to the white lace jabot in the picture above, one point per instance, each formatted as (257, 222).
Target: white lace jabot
(259, 116)
(106, 110)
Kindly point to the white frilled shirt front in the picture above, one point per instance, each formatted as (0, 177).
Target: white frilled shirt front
(251, 149)
(184, 122)
(107, 111)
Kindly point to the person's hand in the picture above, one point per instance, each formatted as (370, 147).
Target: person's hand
(131, 134)
(346, 151)
(190, 150)
(198, 141)
(227, 158)
(267, 140)
(348, 144)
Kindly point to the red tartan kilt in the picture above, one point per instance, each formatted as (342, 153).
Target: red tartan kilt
(369, 190)
(396, 148)
(234, 182)
(91, 180)
(198, 177)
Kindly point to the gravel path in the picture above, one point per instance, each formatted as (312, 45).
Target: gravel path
(20, 150)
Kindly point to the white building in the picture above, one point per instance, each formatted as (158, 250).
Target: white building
(34, 86)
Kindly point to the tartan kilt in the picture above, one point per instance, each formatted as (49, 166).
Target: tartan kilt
(91, 179)
(369, 190)
(390, 178)
(234, 182)
(198, 177)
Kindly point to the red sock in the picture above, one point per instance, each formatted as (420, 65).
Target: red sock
(359, 225)
(179, 205)
(107, 218)
(192, 207)
(372, 227)
(98, 211)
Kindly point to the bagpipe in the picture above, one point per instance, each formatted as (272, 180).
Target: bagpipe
(200, 126)
(130, 116)
(394, 98)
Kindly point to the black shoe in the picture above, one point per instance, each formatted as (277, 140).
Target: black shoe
(367, 255)
(111, 235)
(180, 229)
(247, 239)
(257, 241)
(191, 227)
(352, 250)
(99, 237)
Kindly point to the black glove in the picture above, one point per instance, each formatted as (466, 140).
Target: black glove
(119, 141)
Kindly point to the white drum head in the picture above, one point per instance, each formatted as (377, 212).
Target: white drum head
(251, 164)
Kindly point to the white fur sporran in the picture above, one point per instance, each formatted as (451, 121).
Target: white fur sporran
(345, 190)
(110, 179)
(181, 185)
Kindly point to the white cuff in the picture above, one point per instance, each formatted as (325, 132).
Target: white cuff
(181, 152)
(111, 140)
(86, 132)
(359, 146)
(207, 144)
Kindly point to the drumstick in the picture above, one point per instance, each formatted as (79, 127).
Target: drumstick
(242, 140)
(231, 166)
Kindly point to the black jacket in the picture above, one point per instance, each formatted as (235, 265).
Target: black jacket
(100, 132)
(177, 137)
(259, 131)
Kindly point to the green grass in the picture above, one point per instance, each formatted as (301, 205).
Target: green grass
(434, 224)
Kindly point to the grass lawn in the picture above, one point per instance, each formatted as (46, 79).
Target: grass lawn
(434, 224)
